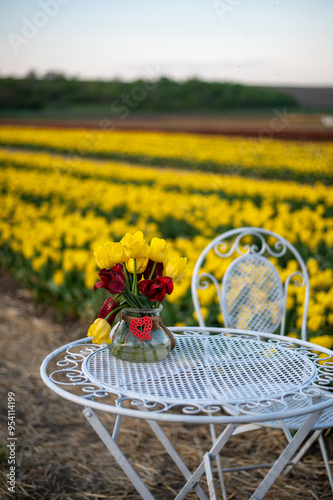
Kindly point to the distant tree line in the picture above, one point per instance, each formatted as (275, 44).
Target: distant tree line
(57, 91)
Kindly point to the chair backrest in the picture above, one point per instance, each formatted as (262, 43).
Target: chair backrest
(250, 271)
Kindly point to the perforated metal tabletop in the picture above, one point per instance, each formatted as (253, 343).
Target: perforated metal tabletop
(256, 375)
(206, 370)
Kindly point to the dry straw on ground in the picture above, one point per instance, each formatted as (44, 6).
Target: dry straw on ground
(59, 457)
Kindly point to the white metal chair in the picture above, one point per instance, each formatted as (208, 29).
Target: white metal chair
(247, 273)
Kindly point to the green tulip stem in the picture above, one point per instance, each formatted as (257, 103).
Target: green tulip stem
(115, 310)
(152, 271)
(132, 304)
(130, 299)
(135, 287)
(141, 305)
(126, 276)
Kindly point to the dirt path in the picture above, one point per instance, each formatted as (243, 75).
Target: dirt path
(275, 124)
(58, 456)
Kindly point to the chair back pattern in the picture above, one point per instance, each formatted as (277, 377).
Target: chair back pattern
(251, 294)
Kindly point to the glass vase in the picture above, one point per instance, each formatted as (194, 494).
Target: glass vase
(140, 336)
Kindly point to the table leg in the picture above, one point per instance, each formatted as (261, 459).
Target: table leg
(174, 455)
(326, 461)
(116, 428)
(210, 476)
(216, 448)
(218, 461)
(283, 425)
(316, 435)
(116, 452)
(301, 452)
(285, 456)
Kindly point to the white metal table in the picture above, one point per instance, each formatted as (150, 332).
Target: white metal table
(213, 376)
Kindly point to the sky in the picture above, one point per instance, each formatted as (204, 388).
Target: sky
(271, 42)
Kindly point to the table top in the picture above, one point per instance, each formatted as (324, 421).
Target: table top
(211, 373)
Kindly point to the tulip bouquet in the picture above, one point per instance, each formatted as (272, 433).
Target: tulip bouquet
(136, 275)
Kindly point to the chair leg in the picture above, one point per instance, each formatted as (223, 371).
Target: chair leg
(325, 457)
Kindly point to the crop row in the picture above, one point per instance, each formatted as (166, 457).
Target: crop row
(257, 157)
(199, 213)
(225, 186)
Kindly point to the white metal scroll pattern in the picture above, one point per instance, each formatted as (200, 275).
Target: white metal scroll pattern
(69, 372)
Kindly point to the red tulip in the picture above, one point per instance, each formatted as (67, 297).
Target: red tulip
(112, 279)
(158, 270)
(109, 305)
(156, 289)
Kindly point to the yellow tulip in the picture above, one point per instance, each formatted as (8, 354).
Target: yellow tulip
(292, 335)
(116, 251)
(109, 254)
(100, 331)
(174, 267)
(103, 257)
(323, 340)
(141, 264)
(59, 277)
(135, 246)
(158, 250)
(324, 359)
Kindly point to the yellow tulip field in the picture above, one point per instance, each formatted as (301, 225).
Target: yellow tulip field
(65, 191)
(261, 158)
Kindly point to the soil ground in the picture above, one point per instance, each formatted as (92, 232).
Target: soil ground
(58, 455)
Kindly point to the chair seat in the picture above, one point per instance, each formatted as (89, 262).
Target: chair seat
(325, 421)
